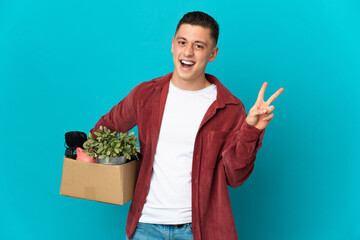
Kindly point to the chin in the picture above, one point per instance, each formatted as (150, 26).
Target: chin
(186, 76)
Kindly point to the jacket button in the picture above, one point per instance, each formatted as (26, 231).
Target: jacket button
(146, 187)
(138, 209)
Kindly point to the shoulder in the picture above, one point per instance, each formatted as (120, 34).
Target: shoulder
(145, 90)
(143, 87)
(227, 97)
(153, 83)
(238, 101)
(232, 103)
(237, 108)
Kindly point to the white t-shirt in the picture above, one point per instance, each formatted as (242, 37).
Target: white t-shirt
(169, 197)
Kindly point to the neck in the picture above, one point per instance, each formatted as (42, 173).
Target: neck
(190, 85)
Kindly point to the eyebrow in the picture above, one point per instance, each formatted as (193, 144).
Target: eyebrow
(177, 38)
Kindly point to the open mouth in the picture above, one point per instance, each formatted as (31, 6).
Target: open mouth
(187, 64)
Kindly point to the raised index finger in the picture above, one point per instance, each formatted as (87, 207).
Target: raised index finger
(262, 91)
(274, 96)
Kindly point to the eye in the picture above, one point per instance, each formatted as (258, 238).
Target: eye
(181, 42)
(199, 46)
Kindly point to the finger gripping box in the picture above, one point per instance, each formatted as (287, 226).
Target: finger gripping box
(113, 184)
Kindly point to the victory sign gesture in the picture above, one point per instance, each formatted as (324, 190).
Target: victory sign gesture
(260, 114)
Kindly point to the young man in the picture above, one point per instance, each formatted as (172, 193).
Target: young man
(195, 139)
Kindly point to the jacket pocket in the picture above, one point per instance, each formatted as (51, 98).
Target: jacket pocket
(213, 142)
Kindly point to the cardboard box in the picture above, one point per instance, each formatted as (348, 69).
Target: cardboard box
(113, 184)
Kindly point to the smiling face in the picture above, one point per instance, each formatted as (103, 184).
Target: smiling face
(192, 49)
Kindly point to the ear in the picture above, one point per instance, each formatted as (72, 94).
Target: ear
(172, 45)
(213, 54)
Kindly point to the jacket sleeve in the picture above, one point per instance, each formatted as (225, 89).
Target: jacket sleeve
(122, 117)
(239, 151)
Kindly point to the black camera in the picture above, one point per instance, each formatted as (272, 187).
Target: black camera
(73, 140)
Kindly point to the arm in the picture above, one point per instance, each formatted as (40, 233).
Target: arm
(242, 145)
(239, 152)
(121, 117)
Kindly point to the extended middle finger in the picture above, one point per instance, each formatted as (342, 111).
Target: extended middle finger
(274, 96)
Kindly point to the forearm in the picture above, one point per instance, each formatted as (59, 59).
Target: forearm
(240, 154)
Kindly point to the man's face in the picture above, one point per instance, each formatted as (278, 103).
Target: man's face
(192, 49)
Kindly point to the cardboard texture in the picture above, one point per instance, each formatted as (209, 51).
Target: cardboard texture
(113, 184)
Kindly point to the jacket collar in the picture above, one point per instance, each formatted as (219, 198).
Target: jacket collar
(224, 96)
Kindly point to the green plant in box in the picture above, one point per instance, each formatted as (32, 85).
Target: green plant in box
(109, 143)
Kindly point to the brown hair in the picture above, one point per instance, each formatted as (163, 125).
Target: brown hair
(201, 19)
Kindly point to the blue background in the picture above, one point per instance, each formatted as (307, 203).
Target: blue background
(63, 64)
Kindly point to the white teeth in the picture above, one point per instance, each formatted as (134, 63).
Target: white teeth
(187, 63)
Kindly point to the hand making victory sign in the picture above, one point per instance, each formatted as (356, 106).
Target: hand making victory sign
(260, 114)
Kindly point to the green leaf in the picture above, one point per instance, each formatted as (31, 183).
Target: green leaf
(100, 150)
(107, 159)
(112, 143)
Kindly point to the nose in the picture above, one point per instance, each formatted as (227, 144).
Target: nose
(188, 50)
